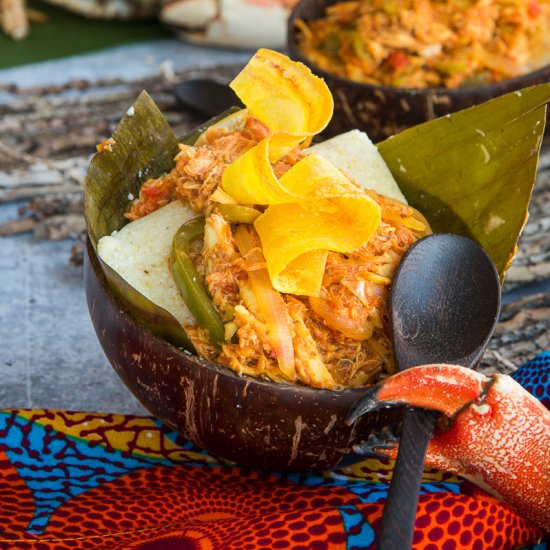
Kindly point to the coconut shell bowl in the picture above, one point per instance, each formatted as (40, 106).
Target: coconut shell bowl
(251, 421)
(272, 425)
(382, 110)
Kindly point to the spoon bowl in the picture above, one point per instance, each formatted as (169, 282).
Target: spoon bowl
(444, 302)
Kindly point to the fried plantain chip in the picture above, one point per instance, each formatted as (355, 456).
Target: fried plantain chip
(332, 214)
(294, 104)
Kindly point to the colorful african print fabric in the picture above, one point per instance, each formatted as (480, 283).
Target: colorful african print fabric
(105, 481)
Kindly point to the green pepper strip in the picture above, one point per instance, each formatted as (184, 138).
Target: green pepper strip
(236, 213)
(189, 282)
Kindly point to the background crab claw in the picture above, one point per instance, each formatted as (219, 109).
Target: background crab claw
(499, 437)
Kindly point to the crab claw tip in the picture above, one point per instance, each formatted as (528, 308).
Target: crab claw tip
(368, 402)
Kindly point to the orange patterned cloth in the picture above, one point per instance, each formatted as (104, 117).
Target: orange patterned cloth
(104, 481)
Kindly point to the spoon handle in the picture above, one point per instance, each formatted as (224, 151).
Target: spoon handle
(397, 527)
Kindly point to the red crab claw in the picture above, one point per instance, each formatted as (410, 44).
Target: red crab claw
(494, 432)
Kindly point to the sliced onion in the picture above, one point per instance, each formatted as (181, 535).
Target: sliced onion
(270, 303)
(408, 221)
(342, 323)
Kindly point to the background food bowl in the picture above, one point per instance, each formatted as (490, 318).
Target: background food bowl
(254, 422)
(385, 110)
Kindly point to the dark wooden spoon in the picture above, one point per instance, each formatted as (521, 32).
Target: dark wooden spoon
(206, 97)
(444, 304)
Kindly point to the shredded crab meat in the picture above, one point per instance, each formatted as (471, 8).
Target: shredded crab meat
(328, 353)
(219, 257)
(310, 365)
(340, 338)
(198, 170)
(253, 354)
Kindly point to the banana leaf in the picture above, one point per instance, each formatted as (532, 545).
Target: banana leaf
(470, 173)
(144, 147)
(473, 172)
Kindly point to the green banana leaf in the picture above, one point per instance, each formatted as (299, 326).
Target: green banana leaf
(473, 172)
(144, 147)
(470, 173)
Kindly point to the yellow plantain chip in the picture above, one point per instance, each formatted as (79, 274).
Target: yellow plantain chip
(302, 276)
(283, 94)
(295, 237)
(294, 104)
(316, 177)
(251, 180)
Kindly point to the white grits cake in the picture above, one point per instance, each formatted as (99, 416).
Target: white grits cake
(354, 154)
(140, 254)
